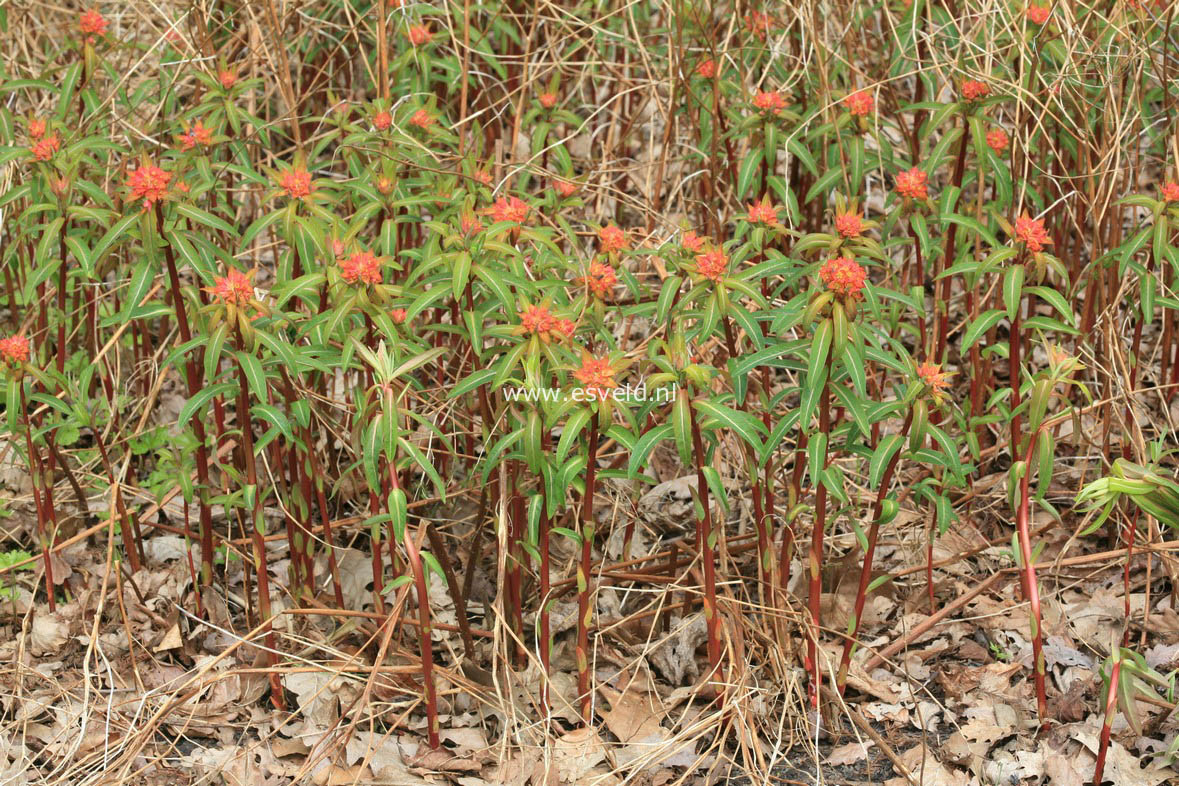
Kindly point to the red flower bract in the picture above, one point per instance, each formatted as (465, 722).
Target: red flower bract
(199, 135)
(537, 319)
(1031, 232)
(848, 224)
(1170, 192)
(712, 265)
(419, 35)
(44, 149)
(382, 120)
(226, 78)
(692, 242)
(548, 100)
(859, 103)
(601, 280)
(14, 350)
(596, 376)
(149, 183)
(770, 101)
(763, 212)
(296, 182)
(234, 289)
(37, 128)
(706, 68)
(421, 119)
(612, 239)
(844, 276)
(1038, 14)
(933, 376)
(398, 315)
(973, 90)
(565, 188)
(363, 266)
(511, 209)
(997, 140)
(92, 24)
(912, 184)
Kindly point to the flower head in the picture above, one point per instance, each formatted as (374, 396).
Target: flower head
(14, 350)
(601, 280)
(844, 276)
(537, 320)
(149, 183)
(363, 266)
(566, 327)
(1031, 232)
(763, 212)
(564, 188)
(912, 183)
(45, 147)
(482, 176)
(37, 128)
(692, 242)
(382, 120)
(1037, 13)
(973, 90)
(234, 289)
(935, 379)
(706, 68)
(760, 24)
(596, 376)
(510, 208)
(1170, 191)
(712, 264)
(997, 140)
(470, 224)
(548, 100)
(226, 78)
(860, 103)
(398, 315)
(197, 135)
(422, 119)
(296, 182)
(92, 24)
(419, 35)
(849, 224)
(770, 101)
(612, 239)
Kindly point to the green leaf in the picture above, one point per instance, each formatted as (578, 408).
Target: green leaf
(979, 327)
(745, 425)
(1012, 289)
(194, 213)
(884, 452)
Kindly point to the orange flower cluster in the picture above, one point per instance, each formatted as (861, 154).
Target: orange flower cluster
(849, 224)
(596, 376)
(234, 289)
(973, 90)
(45, 148)
(14, 350)
(612, 239)
(601, 280)
(997, 140)
(361, 266)
(844, 276)
(770, 101)
(149, 183)
(913, 184)
(712, 265)
(197, 135)
(419, 35)
(511, 209)
(860, 103)
(763, 212)
(297, 183)
(1031, 232)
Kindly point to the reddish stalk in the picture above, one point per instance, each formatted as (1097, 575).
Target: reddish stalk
(584, 610)
(869, 556)
(815, 558)
(1030, 587)
(1111, 703)
(706, 539)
